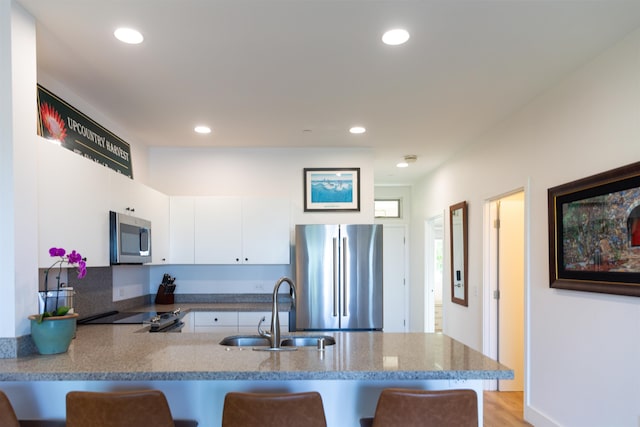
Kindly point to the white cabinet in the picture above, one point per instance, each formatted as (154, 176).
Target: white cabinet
(181, 230)
(133, 198)
(72, 207)
(215, 321)
(232, 322)
(266, 231)
(229, 230)
(218, 225)
(248, 321)
(75, 196)
(187, 320)
(159, 217)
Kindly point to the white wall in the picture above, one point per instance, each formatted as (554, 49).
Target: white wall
(271, 172)
(402, 192)
(18, 185)
(250, 172)
(583, 348)
(139, 154)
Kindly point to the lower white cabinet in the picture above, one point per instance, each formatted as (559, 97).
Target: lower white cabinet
(232, 322)
(215, 321)
(248, 321)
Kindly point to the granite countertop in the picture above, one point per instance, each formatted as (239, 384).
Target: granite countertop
(128, 352)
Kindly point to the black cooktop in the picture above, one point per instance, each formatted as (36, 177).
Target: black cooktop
(117, 317)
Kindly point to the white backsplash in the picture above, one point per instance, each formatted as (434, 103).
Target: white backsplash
(220, 279)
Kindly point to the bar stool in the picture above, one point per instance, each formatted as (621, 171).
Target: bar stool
(273, 410)
(424, 408)
(7, 414)
(120, 409)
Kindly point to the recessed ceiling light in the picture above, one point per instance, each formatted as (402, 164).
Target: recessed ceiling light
(402, 165)
(395, 37)
(357, 129)
(128, 35)
(202, 129)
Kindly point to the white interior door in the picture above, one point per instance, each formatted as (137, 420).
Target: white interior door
(394, 273)
(510, 267)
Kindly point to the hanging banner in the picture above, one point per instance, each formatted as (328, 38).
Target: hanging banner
(59, 121)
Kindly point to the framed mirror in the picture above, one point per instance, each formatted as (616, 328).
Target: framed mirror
(458, 229)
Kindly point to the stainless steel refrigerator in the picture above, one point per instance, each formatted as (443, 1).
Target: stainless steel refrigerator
(338, 277)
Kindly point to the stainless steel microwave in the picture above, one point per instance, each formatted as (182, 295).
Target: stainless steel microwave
(130, 239)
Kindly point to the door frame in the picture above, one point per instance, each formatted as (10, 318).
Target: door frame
(490, 327)
(429, 285)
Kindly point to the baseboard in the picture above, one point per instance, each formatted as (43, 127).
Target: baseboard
(537, 418)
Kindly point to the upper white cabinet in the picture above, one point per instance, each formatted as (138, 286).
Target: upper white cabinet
(218, 225)
(181, 230)
(229, 230)
(75, 196)
(72, 207)
(266, 231)
(133, 198)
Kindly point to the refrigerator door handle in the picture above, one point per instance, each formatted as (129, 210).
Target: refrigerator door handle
(345, 275)
(336, 277)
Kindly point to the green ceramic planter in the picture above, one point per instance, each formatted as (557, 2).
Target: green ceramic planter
(54, 334)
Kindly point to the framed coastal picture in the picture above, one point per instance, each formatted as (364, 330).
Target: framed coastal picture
(594, 233)
(331, 189)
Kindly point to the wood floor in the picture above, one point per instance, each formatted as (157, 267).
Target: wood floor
(503, 408)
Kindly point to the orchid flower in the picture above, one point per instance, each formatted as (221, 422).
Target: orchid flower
(72, 259)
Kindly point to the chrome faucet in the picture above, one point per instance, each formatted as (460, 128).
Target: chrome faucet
(274, 333)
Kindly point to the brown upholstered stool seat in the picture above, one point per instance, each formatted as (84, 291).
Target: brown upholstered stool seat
(7, 414)
(273, 410)
(119, 409)
(424, 408)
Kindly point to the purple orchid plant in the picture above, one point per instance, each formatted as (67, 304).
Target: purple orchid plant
(71, 259)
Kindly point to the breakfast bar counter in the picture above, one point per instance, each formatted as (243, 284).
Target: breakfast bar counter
(195, 371)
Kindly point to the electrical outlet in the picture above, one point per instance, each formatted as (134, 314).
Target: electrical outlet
(121, 292)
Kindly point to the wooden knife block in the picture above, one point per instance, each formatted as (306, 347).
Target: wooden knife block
(164, 296)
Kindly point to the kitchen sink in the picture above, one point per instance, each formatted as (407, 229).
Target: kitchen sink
(306, 341)
(245, 341)
(288, 341)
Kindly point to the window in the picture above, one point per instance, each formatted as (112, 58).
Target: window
(387, 208)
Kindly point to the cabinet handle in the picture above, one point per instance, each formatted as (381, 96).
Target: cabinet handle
(246, 259)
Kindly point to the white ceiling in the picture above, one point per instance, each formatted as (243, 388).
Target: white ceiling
(261, 72)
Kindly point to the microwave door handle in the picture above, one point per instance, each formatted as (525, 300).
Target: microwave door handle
(336, 277)
(144, 240)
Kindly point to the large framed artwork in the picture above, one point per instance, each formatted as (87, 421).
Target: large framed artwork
(331, 189)
(594, 233)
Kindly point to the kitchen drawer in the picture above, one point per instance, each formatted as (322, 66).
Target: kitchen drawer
(248, 321)
(216, 318)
